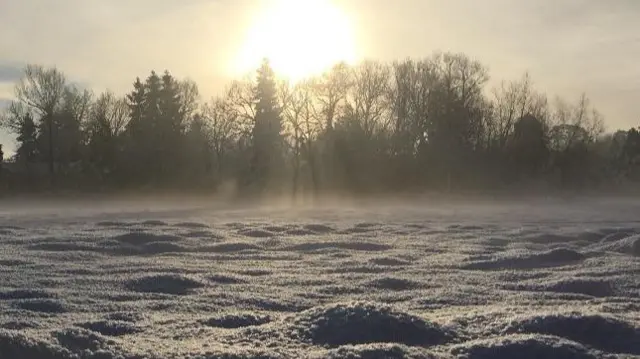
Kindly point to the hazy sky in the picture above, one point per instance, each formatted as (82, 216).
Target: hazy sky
(568, 46)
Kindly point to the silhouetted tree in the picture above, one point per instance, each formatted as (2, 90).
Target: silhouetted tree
(107, 120)
(529, 146)
(266, 163)
(27, 151)
(224, 128)
(42, 90)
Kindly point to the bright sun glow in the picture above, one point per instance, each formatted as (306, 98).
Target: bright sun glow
(300, 38)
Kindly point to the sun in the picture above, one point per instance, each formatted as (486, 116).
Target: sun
(301, 38)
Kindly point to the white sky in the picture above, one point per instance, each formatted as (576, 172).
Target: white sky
(568, 46)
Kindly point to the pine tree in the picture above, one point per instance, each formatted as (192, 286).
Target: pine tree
(136, 102)
(28, 150)
(266, 135)
(170, 126)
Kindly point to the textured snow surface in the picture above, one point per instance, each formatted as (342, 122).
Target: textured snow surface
(549, 279)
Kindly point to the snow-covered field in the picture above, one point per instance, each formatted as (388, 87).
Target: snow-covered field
(543, 279)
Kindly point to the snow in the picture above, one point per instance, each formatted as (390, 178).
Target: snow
(420, 279)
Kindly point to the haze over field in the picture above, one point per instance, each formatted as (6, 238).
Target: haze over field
(554, 279)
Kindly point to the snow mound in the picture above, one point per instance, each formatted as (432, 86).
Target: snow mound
(396, 284)
(141, 238)
(14, 345)
(26, 294)
(595, 288)
(20, 325)
(627, 245)
(616, 236)
(268, 304)
(229, 248)
(389, 261)
(522, 347)
(299, 232)
(225, 279)
(257, 233)
(191, 225)
(318, 228)
(111, 328)
(549, 238)
(113, 224)
(80, 339)
(42, 305)
(597, 331)
(162, 247)
(256, 272)
(164, 283)
(58, 246)
(378, 351)
(591, 287)
(553, 258)
(131, 317)
(237, 320)
(353, 245)
(364, 323)
(154, 223)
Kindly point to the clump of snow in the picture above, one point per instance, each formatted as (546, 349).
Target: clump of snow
(42, 305)
(191, 225)
(225, 279)
(229, 248)
(389, 261)
(237, 320)
(553, 258)
(141, 238)
(164, 283)
(627, 245)
(131, 317)
(76, 339)
(299, 232)
(378, 351)
(395, 284)
(363, 323)
(351, 245)
(522, 347)
(20, 325)
(16, 345)
(111, 328)
(597, 331)
(318, 228)
(256, 233)
(154, 223)
(26, 294)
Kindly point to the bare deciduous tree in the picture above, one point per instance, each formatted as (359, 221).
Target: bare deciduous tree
(367, 102)
(330, 91)
(223, 126)
(511, 102)
(42, 89)
(109, 115)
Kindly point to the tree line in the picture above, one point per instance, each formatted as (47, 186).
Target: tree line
(432, 123)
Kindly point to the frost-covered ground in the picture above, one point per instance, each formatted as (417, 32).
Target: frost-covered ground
(548, 279)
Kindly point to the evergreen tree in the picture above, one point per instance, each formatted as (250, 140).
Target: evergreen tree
(136, 103)
(267, 158)
(169, 126)
(529, 147)
(28, 149)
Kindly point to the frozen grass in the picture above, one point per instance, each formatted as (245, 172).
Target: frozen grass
(415, 282)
